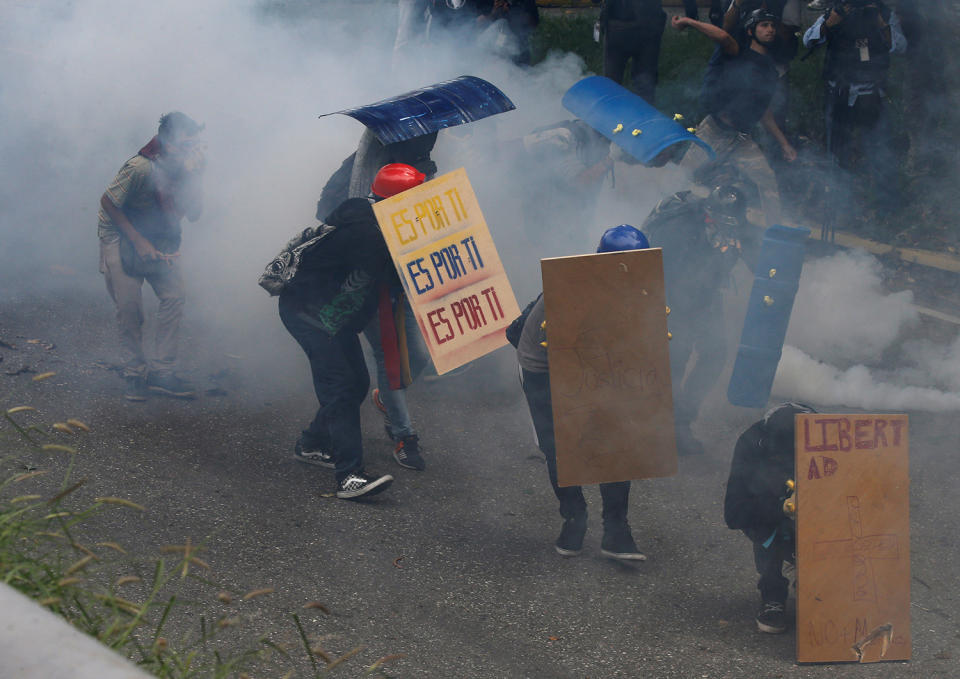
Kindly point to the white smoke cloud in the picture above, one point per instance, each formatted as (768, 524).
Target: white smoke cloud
(842, 316)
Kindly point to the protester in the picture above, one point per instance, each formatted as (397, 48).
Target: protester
(530, 336)
(860, 36)
(631, 30)
(702, 240)
(139, 230)
(339, 280)
(759, 501)
(508, 25)
(737, 90)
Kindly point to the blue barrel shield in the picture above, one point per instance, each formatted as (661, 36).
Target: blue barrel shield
(775, 284)
(454, 102)
(626, 119)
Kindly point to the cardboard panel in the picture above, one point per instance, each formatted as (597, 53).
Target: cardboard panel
(609, 367)
(450, 268)
(853, 538)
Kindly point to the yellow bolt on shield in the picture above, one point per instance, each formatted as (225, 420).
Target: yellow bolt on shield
(618, 128)
(543, 325)
(791, 484)
(669, 335)
(677, 116)
(768, 300)
(668, 311)
(692, 130)
(543, 344)
(790, 507)
(772, 273)
(636, 132)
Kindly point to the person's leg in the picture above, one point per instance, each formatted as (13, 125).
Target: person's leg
(125, 291)
(749, 160)
(617, 540)
(340, 381)
(773, 587)
(614, 61)
(536, 387)
(690, 9)
(169, 289)
(709, 339)
(882, 162)
(646, 63)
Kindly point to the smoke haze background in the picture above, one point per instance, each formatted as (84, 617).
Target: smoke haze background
(84, 83)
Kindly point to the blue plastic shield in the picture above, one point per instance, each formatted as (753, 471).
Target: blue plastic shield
(768, 313)
(626, 119)
(462, 100)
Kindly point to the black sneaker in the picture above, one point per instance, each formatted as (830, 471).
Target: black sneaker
(136, 388)
(618, 543)
(407, 453)
(169, 384)
(378, 402)
(570, 540)
(360, 483)
(772, 619)
(317, 456)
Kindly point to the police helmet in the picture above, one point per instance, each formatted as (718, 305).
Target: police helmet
(623, 237)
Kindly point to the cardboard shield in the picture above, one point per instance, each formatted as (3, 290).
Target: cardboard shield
(606, 331)
(853, 538)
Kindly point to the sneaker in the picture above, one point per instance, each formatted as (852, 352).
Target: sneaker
(136, 388)
(378, 402)
(618, 543)
(357, 484)
(772, 619)
(169, 384)
(317, 456)
(407, 453)
(570, 541)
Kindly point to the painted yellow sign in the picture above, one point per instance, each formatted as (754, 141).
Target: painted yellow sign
(450, 268)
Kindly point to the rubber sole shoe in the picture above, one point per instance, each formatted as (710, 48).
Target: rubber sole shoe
(170, 385)
(316, 456)
(772, 619)
(619, 544)
(135, 389)
(360, 484)
(407, 454)
(570, 541)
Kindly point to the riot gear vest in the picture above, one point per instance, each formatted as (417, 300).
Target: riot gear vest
(858, 51)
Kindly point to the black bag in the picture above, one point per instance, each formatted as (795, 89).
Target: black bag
(515, 329)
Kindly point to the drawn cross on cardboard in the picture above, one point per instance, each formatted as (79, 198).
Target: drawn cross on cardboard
(861, 549)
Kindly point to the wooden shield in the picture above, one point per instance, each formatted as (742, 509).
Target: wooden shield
(609, 367)
(853, 538)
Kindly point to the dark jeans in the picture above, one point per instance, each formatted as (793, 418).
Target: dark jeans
(701, 331)
(716, 10)
(645, 52)
(536, 387)
(769, 561)
(340, 380)
(867, 122)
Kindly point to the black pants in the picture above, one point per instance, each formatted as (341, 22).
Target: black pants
(340, 381)
(643, 48)
(769, 562)
(716, 11)
(699, 330)
(536, 387)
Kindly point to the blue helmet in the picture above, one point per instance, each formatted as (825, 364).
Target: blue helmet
(623, 237)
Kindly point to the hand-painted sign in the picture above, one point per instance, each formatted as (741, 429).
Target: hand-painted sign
(450, 268)
(853, 538)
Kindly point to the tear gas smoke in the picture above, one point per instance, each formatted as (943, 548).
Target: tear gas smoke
(843, 316)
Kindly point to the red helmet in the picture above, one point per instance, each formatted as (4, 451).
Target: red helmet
(396, 178)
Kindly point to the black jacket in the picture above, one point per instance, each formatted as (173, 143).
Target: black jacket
(763, 460)
(337, 281)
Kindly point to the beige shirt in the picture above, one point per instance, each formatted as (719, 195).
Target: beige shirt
(134, 188)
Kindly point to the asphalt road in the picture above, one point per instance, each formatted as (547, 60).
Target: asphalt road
(454, 568)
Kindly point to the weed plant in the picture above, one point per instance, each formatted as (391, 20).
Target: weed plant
(128, 602)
